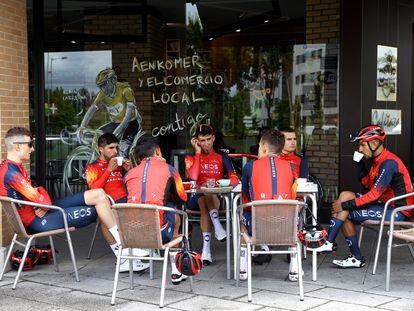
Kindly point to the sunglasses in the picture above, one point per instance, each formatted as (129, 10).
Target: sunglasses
(29, 143)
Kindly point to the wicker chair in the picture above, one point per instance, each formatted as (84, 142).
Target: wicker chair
(274, 222)
(9, 207)
(369, 224)
(403, 234)
(139, 227)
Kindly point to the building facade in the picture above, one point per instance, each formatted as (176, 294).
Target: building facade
(313, 65)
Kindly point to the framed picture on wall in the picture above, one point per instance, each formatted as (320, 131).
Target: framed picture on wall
(172, 48)
(386, 73)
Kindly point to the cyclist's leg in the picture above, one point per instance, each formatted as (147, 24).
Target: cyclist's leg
(98, 198)
(340, 220)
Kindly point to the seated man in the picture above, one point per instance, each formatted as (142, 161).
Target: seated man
(81, 208)
(155, 182)
(267, 178)
(208, 164)
(289, 153)
(387, 178)
(106, 174)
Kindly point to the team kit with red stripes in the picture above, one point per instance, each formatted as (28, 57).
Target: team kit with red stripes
(112, 182)
(155, 182)
(386, 178)
(15, 183)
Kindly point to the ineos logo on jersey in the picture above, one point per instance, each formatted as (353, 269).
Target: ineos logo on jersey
(210, 166)
(83, 212)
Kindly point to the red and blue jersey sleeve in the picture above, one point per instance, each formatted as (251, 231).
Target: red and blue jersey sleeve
(178, 194)
(246, 182)
(192, 166)
(94, 178)
(229, 169)
(16, 180)
(386, 172)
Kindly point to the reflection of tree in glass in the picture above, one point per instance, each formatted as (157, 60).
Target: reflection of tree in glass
(65, 115)
(236, 108)
(317, 112)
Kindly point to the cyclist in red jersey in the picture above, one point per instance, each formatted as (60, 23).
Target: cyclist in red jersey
(289, 153)
(81, 208)
(106, 174)
(208, 164)
(267, 178)
(154, 181)
(388, 177)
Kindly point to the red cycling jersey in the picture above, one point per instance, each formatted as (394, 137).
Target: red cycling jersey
(155, 182)
(203, 166)
(300, 163)
(387, 178)
(15, 183)
(98, 176)
(268, 178)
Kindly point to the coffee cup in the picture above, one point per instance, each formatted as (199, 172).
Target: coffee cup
(223, 182)
(119, 160)
(357, 156)
(302, 181)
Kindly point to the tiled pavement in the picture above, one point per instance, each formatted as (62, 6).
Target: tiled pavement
(336, 289)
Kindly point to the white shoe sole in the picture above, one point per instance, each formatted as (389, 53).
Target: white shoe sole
(135, 267)
(182, 278)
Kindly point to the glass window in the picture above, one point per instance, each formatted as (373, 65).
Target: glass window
(239, 66)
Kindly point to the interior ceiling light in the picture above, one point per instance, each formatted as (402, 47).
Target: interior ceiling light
(73, 41)
(238, 30)
(211, 39)
(266, 21)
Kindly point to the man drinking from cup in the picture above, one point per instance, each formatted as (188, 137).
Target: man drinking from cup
(108, 170)
(206, 167)
(107, 173)
(387, 178)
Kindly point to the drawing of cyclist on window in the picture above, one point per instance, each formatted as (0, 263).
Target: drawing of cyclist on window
(119, 101)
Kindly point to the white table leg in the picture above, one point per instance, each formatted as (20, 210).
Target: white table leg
(234, 200)
(226, 198)
(314, 253)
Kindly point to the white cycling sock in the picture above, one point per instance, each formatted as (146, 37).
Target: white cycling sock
(114, 248)
(115, 234)
(206, 242)
(174, 269)
(214, 215)
(293, 266)
(243, 259)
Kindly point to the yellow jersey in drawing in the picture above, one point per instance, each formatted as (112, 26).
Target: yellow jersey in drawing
(116, 106)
